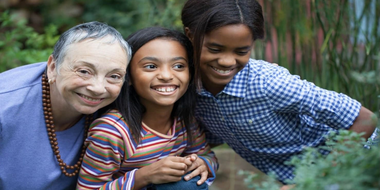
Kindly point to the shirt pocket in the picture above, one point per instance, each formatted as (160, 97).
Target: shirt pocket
(265, 128)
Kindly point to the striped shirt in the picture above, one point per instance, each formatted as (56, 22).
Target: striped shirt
(113, 156)
(268, 115)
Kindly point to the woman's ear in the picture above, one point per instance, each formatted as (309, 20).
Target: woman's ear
(51, 69)
(189, 34)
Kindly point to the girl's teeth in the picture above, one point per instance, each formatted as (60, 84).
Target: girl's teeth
(165, 89)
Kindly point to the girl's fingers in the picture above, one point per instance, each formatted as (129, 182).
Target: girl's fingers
(203, 178)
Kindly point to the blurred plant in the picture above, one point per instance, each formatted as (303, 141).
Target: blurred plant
(126, 16)
(349, 166)
(325, 42)
(20, 44)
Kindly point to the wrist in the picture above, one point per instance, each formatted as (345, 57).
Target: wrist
(141, 178)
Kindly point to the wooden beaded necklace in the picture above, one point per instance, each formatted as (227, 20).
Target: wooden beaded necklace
(51, 131)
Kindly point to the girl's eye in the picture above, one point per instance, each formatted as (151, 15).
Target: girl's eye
(179, 66)
(150, 66)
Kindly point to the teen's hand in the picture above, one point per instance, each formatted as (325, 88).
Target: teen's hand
(198, 167)
(287, 187)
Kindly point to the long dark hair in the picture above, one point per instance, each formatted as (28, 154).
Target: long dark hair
(128, 102)
(204, 16)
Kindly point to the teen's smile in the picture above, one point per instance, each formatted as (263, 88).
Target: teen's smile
(225, 52)
(222, 71)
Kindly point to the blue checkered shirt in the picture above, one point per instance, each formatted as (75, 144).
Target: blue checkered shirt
(268, 115)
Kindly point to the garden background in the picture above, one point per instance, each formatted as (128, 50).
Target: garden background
(335, 44)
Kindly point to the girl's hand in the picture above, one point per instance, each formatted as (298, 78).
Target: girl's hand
(169, 169)
(200, 168)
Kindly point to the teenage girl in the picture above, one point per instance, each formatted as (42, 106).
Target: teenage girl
(259, 109)
(149, 136)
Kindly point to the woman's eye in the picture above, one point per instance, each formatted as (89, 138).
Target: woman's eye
(84, 73)
(116, 78)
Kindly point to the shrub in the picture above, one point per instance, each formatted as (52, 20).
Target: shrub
(349, 166)
(21, 44)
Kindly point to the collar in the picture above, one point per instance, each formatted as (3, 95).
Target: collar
(237, 87)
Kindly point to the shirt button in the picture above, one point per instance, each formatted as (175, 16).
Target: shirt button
(222, 118)
(250, 121)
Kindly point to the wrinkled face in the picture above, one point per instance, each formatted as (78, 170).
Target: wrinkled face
(225, 51)
(160, 72)
(89, 78)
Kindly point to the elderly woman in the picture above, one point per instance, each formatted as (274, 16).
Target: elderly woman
(46, 108)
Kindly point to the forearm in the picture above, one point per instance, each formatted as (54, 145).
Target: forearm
(365, 122)
(141, 178)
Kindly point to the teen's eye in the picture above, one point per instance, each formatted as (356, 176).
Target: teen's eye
(242, 53)
(213, 50)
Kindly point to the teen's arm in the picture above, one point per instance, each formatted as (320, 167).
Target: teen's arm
(289, 94)
(365, 122)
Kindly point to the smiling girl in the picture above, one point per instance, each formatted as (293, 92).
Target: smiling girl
(149, 136)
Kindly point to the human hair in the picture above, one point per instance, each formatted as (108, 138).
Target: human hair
(128, 103)
(90, 30)
(204, 16)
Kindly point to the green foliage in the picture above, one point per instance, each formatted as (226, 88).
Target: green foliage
(349, 166)
(325, 42)
(20, 44)
(126, 16)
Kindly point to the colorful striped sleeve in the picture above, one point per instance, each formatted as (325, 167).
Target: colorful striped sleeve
(200, 147)
(109, 143)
